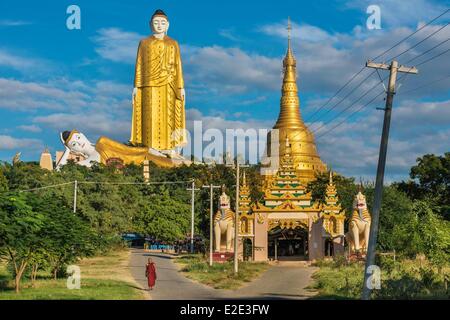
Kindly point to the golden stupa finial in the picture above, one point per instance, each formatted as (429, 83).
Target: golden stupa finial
(244, 181)
(289, 28)
(289, 60)
(331, 176)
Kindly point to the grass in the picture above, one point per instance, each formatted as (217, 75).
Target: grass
(102, 278)
(220, 275)
(404, 279)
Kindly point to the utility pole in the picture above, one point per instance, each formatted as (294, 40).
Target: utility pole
(211, 191)
(236, 218)
(75, 190)
(236, 222)
(394, 68)
(192, 189)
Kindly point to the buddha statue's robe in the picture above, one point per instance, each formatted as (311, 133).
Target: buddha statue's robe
(108, 149)
(158, 107)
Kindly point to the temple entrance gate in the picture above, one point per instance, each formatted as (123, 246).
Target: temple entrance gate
(288, 243)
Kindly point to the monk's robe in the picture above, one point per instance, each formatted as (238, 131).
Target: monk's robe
(158, 108)
(150, 273)
(108, 149)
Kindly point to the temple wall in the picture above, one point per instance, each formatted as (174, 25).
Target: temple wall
(315, 240)
(338, 246)
(260, 245)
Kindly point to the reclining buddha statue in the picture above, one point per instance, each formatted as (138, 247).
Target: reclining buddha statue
(104, 149)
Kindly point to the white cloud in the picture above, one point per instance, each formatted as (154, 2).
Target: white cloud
(230, 70)
(22, 96)
(229, 34)
(30, 128)
(300, 32)
(93, 124)
(11, 143)
(14, 23)
(17, 61)
(117, 45)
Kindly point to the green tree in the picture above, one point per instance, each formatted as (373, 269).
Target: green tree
(345, 187)
(3, 181)
(164, 218)
(65, 237)
(426, 232)
(430, 179)
(19, 233)
(396, 211)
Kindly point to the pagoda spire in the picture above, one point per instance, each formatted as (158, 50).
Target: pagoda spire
(289, 116)
(301, 148)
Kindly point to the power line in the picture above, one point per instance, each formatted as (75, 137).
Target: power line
(39, 188)
(409, 36)
(381, 54)
(135, 183)
(426, 84)
(348, 94)
(421, 41)
(367, 92)
(345, 85)
(434, 57)
(425, 61)
(378, 56)
(351, 115)
(402, 77)
(99, 182)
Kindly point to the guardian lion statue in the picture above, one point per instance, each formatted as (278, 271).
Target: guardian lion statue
(359, 229)
(224, 225)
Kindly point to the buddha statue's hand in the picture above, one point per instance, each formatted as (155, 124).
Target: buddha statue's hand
(183, 94)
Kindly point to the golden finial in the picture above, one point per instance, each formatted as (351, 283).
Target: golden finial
(244, 181)
(289, 28)
(331, 176)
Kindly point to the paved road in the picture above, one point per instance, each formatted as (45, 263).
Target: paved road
(279, 282)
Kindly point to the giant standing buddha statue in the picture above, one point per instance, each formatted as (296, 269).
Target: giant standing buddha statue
(158, 96)
(290, 124)
(158, 120)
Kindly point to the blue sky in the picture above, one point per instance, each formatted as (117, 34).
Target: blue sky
(54, 79)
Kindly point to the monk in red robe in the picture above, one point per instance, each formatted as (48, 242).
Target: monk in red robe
(150, 273)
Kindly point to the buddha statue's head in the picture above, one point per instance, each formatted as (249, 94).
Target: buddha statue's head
(76, 142)
(159, 23)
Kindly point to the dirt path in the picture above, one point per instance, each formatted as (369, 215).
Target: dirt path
(279, 282)
(114, 266)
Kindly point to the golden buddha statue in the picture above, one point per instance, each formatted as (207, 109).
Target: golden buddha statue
(76, 143)
(158, 96)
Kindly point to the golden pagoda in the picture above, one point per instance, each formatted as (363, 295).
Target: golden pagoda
(290, 124)
(288, 223)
